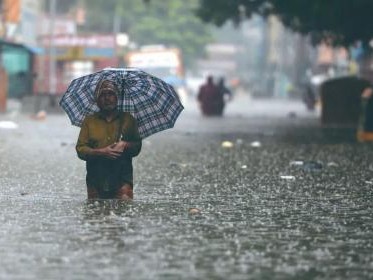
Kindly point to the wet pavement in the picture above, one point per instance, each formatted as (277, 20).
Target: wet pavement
(274, 195)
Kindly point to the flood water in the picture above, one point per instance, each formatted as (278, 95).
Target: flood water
(263, 211)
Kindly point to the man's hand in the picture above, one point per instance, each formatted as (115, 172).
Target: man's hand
(109, 152)
(120, 146)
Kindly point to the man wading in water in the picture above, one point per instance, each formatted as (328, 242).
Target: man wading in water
(108, 141)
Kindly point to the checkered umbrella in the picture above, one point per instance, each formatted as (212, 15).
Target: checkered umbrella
(154, 103)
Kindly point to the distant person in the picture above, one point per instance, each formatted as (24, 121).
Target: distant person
(365, 128)
(209, 98)
(309, 97)
(108, 141)
(224, 95)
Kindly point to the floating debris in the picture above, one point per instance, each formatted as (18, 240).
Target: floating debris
(312, 166)
(287, 177)
(332, 164)
(8, 125)
(194, 211)
(227, 144)
(308, 166)
(256, 144)
(296, 163)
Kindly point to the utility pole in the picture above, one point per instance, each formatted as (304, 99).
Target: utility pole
(52, 48)
(3, 74)
(116, 27)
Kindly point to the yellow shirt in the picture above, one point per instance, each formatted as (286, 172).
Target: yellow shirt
(97, 132)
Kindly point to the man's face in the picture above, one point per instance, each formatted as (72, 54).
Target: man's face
(107, 101)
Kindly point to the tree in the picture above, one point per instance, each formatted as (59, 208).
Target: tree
(169, 22)
(340, 22)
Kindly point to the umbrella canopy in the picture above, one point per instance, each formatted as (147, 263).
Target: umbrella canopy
(154, 103)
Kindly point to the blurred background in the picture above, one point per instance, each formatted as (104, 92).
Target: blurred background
(272, 190)
(262, 48)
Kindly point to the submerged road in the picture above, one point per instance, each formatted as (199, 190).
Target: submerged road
(277, 196)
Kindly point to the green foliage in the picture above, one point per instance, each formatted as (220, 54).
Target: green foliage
(342, 22)
(169, 22)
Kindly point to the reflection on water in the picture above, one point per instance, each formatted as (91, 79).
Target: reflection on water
(250, 233)
(252, 224)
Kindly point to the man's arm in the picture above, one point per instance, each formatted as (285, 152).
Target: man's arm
(133, 149)
(131, 143)
(82, 148)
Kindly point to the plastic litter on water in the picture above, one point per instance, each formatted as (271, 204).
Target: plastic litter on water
(287, 177)
(312, 166)
(256, 144)
(296, 163)
(8, 125)
(227, 144)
